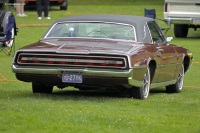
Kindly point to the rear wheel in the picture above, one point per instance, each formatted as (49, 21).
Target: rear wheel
(143, 91)
(177, 87)
(180, 30)
(1, 6)
(40, 88)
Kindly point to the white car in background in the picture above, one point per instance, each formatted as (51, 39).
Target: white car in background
(184, 14)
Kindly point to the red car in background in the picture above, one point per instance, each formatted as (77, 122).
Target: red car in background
(61, 3)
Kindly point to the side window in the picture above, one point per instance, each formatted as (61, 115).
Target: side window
(146, 36)
(155, 32)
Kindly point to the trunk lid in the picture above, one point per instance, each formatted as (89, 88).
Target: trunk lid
(83, 47)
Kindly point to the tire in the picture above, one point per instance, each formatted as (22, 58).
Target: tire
(64, 5)
(1, 6)
(143, 91)
(40, 88)
(180, 30)
(178, 86)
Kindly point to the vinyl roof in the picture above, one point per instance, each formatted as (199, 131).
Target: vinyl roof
(126, 19)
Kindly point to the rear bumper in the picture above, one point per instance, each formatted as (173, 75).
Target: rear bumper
(56, 80)
(91, 76)
(181, 20)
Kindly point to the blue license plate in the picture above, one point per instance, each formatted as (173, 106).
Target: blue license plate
(72, 78)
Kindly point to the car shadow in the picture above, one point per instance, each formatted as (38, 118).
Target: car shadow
(76, 94)
(102, 93)
(157, 91)
(91, 93)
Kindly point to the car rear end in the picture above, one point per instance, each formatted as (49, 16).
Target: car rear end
(53, 63)
(182, 11)
(81, 67)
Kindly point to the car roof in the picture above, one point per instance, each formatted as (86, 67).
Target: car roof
(137, 21)
(127, 19)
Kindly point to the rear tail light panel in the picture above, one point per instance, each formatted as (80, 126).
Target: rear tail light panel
(71, 60)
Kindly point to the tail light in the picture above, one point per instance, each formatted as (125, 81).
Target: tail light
(166, 7)
(72, 60)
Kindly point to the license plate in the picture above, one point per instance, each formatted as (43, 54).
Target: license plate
(72, 78)
(196, 20)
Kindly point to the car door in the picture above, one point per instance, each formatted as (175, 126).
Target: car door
(164, 54)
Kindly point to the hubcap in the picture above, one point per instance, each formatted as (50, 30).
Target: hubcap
(146, 84)
(180, 79)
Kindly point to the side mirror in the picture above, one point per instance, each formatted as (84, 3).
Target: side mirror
(169, 39)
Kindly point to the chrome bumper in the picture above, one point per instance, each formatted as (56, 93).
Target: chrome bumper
(133, 79)
(179, 20)
(192, 21)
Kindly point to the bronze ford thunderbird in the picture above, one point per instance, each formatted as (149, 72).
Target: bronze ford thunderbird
(103, 51)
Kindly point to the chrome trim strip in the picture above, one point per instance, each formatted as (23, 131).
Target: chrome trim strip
(120, 40)
(156, 85)
(85, 71)
(71, 60)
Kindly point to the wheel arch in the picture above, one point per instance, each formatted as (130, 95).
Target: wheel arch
(152, 66)
(186, 63)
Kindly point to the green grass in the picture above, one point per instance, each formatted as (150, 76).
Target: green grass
(70, 110)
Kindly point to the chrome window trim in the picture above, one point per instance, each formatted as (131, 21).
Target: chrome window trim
(135, 36)
(160, 33)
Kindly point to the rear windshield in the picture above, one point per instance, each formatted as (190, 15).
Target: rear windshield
(92, 30)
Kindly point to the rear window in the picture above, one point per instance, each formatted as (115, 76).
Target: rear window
(92, 30)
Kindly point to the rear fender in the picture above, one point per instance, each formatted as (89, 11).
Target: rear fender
(139, 69)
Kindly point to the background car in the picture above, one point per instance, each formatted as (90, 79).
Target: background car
(2, 4)
(183, 14)
(103, 52)
(62, 3)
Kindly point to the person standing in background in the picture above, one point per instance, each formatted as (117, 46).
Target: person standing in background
(20, 8)
(43, 5)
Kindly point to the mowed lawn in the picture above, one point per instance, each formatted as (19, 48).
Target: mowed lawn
(70, 110)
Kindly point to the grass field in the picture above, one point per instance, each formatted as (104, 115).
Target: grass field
(70, 110)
